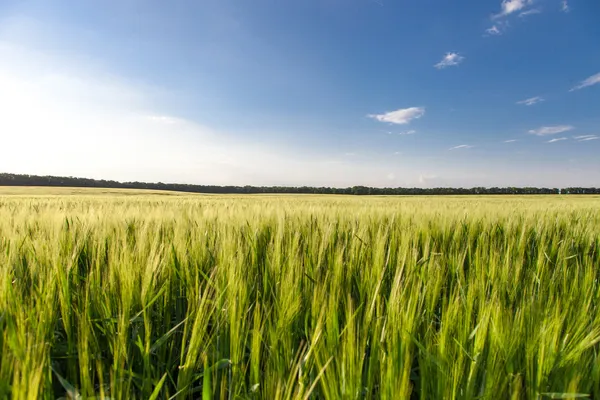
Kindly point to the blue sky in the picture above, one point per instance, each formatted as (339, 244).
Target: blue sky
(311, 92)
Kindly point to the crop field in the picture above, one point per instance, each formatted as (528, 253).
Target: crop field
(152, 296)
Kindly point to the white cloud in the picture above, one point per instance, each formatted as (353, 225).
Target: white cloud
(510, 141)
(592, 80)
(530, 12)
(401, 116)
(557, 140)
(499, 27)
(512, 6)
(551, 130)
(531, 101)
(397, 153)
(462, 146)
(585, 138)
(450, 59)
(410, 132)
(493, 30)
(564, 6)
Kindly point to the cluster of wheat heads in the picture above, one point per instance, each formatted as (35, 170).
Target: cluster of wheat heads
(299, 297)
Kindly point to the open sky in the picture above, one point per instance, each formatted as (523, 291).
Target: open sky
(303, 92)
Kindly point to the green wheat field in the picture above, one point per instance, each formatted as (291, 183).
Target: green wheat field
(124, 295)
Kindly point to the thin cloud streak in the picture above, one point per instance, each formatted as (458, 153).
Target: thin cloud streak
(462, 146)
(585, 138)
(531, 101)
(556, 140)
(401, 116)
(551, 130)
(530, 12)
(510, 141)
(592, 80)
(411, 132)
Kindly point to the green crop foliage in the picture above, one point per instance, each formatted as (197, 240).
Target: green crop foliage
(299, 297)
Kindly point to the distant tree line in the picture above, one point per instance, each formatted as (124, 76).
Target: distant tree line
(61, 181)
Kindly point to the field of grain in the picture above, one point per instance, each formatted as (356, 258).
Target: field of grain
(299, 297)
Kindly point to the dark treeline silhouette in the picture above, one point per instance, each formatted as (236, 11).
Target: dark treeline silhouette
(60, 181)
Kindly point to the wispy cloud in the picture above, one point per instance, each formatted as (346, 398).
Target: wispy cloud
(530, 12)
(592, 80)
(498, 28)
(410, 132)
(564, 6)
(531, 101)
(551, 130)
(493, 30)
(462, 146)
(556, 140)
(401, 116)
(585, 138)
(449, 60)
(510, 141)
(512, 6)
(349, 154)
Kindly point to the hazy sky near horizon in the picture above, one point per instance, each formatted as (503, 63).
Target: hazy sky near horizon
(312, 92)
